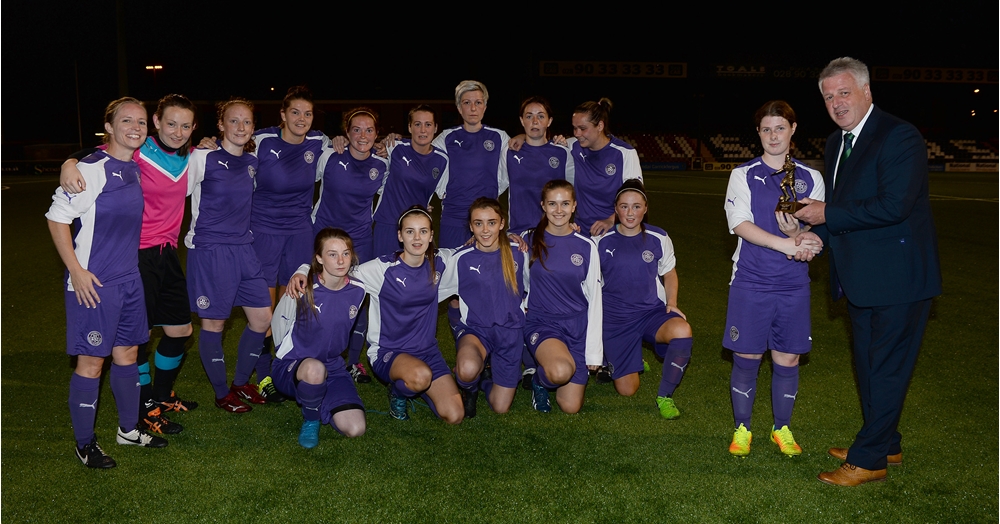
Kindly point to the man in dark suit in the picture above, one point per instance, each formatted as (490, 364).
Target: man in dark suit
(883, 257)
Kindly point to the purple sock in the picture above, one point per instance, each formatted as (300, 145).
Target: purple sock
(676, 356)
(263, 365)
(399, 389)
(784, 388)
(125, 386)
(540, 378)
(247, 354)
(468, 386)
(454, 318)
(358, 335)
(527, 360)
(83, 394)
(214, 362)
(310, 396)
(743, 388)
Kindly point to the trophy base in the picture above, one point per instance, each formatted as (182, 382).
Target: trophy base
(789, 207)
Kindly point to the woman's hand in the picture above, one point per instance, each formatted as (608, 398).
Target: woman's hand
(70, 178)
(601, 226)
(673, 309)
(296, 286)
(83, 283)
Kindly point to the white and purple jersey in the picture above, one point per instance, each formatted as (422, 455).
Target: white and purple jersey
(323, 333)
(107, 217)
(348, 190)
(483, 296)
(413, 179)
(402, 315)
(221, 187)
(598, 175)
(631, 268)
(569, 285)
(474, 170)
(286, 177)
(753, 193)
(528, 170)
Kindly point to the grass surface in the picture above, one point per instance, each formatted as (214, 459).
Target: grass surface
(615, 461)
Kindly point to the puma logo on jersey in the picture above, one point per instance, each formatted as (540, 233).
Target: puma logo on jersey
(745, 394)
(610, 251)
(674, 364)
(92, 405)
(759, 178)
(224, 164)
(119, 175)
(277, 154)
(519, 159)
(731, 201)
(69, 197)
(401, 281)
(319, 307)
(583, 156)
(459, 143)
(407, 160)
(476, 269)
(786, 395)
(343, 165)
(283, 317)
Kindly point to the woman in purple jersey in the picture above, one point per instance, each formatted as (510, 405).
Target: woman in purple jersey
(223, 270)
(563, 323)
(491, 291)
(163, 164)
(313, 331)
(640, 300)
(112, 322)
(769, 292)
(350, 182)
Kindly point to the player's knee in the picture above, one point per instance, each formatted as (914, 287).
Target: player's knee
(312, 371)
(561, 371)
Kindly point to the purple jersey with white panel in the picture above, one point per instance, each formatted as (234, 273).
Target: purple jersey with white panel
(413, 179)
(348, 191)
(569, 286)
(402, 315)
(323, 333)
(286, 176)
(483, 296)
(753, 193)
(107, 218)
(221, 187)
(474, 170)
(528, 170)
(631, 268)
(598, 175)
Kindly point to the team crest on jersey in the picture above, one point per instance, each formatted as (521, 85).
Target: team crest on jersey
(203, 302)
(647, 256)
(734, 334)
(437, 277)
(576, 259)
(515, 266)
(488, 145)
(309, 157)
(353, 312)
(435, 173)
(534, 338)
(373, 174)
(252, 171)
(94, 338)
(553, 162)
(611, 169)
(388, 355)
(801, 186)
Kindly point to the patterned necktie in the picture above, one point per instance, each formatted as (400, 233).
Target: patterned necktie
(848, 144)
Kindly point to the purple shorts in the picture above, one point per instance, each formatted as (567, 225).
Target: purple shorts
(757, 321)
(221, 277)
(623, 340)
(119, 320)
(454, 236)
(384, 358)
(570, 331)
(503, 349)
(385, 239)
(281, 255)
(340, 390)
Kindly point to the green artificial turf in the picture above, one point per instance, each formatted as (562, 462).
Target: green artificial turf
(616, 461)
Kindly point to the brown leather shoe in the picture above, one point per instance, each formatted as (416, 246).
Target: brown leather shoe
(841, 454)
(850, 475)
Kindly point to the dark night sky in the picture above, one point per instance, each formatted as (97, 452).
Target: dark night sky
(209, 54)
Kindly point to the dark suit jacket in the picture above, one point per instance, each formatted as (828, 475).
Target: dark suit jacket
(879, 228)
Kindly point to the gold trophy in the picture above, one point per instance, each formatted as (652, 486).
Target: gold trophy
(787, 202)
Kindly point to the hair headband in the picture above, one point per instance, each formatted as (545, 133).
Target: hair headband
(399, 225)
